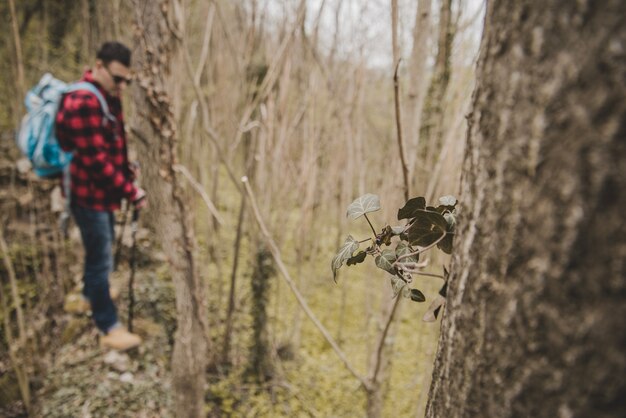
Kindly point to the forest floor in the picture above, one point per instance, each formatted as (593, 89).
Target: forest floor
(85, 380)
(70, 374)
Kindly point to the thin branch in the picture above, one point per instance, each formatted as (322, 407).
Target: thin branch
(402, 257)
(213, 136)
(18, 366)
(14, 289)
(405, 267)
(272, 75)
(179, 168)
(383, 337)
(205, 43)
(368, 221)
(19, 63)
(405, 168)
(287, 277)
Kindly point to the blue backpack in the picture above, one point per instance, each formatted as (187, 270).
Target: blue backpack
(36, 137)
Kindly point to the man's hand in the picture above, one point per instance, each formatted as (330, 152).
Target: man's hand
(140, 200)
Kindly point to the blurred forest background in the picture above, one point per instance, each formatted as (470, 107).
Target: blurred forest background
(297, 95)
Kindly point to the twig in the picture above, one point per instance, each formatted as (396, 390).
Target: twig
(405, 168)
(402, 257)
(272, 75)
(213, 136)
(287, 277)
(18, 366)
(204, 53)
(383, 337)
(179, 168)
(368, 221)
(411, 270)
(14, 290)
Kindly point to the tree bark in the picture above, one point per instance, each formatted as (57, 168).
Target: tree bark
(418, 76)
(432, 123)
(536, 297)
(154, 48)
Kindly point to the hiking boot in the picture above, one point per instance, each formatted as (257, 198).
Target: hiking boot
(120, 339)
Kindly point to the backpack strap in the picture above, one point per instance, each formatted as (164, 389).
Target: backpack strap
(85, 85)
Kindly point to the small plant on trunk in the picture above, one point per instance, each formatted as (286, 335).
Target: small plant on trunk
(425, 228)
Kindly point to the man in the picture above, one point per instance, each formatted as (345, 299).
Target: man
(100, 178)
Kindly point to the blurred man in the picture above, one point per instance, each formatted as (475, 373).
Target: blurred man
(100, 178)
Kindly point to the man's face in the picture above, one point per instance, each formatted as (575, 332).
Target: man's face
(114, 76)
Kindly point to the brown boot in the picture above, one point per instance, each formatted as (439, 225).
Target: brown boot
(120, 339)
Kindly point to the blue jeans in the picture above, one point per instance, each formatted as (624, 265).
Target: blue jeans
(96, 230)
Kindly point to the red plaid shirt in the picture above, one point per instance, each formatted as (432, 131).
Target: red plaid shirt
(100, 177)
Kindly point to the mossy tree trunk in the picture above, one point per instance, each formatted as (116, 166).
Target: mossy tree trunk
(534, 323)
(172, 218)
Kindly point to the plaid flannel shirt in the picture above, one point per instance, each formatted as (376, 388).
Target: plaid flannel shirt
(100, 177)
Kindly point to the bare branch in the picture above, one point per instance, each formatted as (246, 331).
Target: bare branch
(198, 187)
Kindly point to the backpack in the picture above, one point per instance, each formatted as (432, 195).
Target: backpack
(36, 137)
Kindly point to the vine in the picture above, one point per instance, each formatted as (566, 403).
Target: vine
(426, 227)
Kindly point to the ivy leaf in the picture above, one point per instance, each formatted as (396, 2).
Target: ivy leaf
(426, 228)
(365, 204)
(403, 248)
(397, 230)
(450, 219)
(448, 200)
(417, 296)
(434, 308)
(444, 289)
(385, 261)
(410, 209)
(344, 253)
(397, 285)
(358, 258)
(445, 244)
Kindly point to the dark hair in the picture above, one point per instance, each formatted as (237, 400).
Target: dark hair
(114, 51)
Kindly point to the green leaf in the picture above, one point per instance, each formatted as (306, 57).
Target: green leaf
(362, 205)
(385, 261)
(403, 248)
(444, 289)
(450, 219)
(358, 258)
(445, 244)
(411, 207)
(426, 228)
(397, 285)
(447, 200)
(344, 253)
(434, 308)
(397, 230)
(417, 296)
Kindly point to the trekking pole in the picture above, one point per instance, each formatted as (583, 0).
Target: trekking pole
(133, 251)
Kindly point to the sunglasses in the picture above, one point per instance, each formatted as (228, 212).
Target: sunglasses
(118, 79)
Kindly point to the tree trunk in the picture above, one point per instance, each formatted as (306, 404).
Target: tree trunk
(536, 300)
(154, 44)
(432, 123)
(418, 76)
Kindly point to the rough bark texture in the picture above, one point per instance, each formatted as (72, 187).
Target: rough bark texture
(536, 304)
(154, 42)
